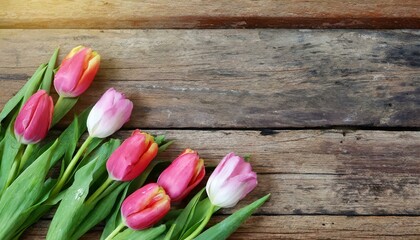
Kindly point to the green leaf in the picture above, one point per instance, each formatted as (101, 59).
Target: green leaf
(33, 85)
(62, 107)
(15, 100)
(146, 234)
(115, 218)
(72, 134)
(199, 215)
(72, 210)
(22, 194)
(164, 146)
(38, 210)
(65, 145)
(159, 139)
(48, 77)
(9, 151)
(225, 228)
(184, 218)
(101, 210)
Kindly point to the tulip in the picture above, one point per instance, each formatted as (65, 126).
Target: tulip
(34, 119)
(145, 207)
(133, 156)
(109, 114)
(184, 173)
(231, 181)
(76, 72)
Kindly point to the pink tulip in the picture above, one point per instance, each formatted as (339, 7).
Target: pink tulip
(76, 72)
(231, 181)
(130, 159)
(109, 114)
(184, 173)
(34, 119)
(145, 207)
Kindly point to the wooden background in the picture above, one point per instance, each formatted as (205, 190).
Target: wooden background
(330, 114)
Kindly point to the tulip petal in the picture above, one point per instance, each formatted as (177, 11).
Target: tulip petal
(148, 217)
(191, 185)
(68, 75)
(145, 207)
(34, 119)
(141, 164)
(177, 176)
(41, 120)
(87, 77)
(109, 114)
(232, 180)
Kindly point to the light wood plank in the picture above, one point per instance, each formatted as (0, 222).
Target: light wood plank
(300, 227)
(210, 14)
(240, 78)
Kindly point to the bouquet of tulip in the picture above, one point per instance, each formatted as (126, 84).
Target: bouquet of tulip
(104, 179)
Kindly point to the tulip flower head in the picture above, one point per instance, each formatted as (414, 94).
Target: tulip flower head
(109, 114)
(133, 156)
(184, 173)
(231, 181)
(76, 72)
(145, 207)
(34, 119)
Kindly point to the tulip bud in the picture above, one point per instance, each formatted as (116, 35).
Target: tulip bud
(231, 181)
(109, 114)
(184, 173)
(145, 207)
(76, 72)
(34, 119)
(133, 156)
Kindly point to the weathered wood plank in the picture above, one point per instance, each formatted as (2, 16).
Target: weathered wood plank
(319, 172)
(214, 14)
(318, 152)
(300, 227)
(240, 78)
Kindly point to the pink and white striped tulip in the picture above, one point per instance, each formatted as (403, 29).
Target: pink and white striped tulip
(145, 207)
(184, 173)
(76, 72)
(231, 181)
(130, 159)
(34, 119)
(109, 114)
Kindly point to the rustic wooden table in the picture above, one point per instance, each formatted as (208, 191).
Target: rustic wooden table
(330, 116)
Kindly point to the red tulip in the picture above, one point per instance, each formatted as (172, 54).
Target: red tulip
(130, 159)
(34, 119)
(145, 207)
(76, 72)
(184, 173)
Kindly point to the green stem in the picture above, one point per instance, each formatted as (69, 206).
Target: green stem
(15, 166)
(198, 230)
(100, 190)
(57, 105)
(115, 232)
(59, 101)
(28, 151)
(69, 170)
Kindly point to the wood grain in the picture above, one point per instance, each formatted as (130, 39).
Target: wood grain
(319, 172)
(240, 78)
(300, 227)
(210, 14)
